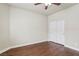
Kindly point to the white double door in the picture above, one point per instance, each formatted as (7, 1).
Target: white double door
(56, 31)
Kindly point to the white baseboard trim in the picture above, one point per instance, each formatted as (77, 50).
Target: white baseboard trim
(33, 43)
(57, 42)
(66, 46)
(18, 46)
(4, 50)
(72, 48)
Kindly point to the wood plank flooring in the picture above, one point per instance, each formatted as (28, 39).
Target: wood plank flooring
(41, 49)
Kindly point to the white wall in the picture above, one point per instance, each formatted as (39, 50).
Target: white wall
(27, 27)
(70, 17)
(4, 26)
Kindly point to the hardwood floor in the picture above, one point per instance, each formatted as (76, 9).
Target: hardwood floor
(41, 49)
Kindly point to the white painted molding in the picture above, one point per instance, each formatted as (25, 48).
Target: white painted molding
(33, 43)
(18, 46)
(67, 46)
(71, 47)
(4, 50)
(57, 42)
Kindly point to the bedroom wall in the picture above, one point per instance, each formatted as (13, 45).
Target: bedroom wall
(27, 27)
(4, 26)
(70, 17)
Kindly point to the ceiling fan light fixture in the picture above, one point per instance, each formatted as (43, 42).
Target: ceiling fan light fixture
(48, 4)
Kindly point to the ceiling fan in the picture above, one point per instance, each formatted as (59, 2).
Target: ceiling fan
(48, 4)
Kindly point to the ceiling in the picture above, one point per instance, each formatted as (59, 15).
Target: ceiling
(41, 8)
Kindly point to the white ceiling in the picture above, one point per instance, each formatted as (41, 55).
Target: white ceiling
(40, 8)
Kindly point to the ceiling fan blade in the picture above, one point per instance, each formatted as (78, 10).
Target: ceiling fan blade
(56, 3)
(37, 3)
(46, 7)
